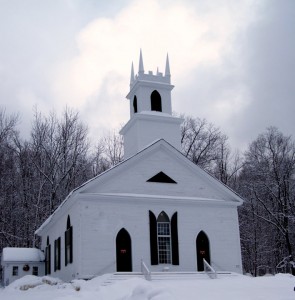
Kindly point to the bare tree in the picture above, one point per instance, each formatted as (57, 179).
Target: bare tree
(60, 150)
(111, 148)
(268, 184)
(200, 141)
(227, 164)
(7, 125)
(9, 214)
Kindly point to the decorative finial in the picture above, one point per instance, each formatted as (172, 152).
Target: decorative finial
(167, 69)
(140, 68)
(132, 75)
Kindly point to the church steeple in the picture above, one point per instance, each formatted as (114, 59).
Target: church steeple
(150, 110)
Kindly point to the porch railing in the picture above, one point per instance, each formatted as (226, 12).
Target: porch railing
(209, 270)
(145, 271)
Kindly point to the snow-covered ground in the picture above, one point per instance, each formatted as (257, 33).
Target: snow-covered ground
(279, 287)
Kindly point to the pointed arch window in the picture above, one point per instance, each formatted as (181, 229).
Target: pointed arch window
(156, 101)
(135, 104)
(47, 257)
(163, 239)
(69, 243)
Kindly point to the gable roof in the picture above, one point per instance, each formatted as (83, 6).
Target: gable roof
(131, 178)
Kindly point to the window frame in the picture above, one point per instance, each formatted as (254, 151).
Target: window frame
(14, 270)
(35, 270)
(164, 239)
(57, 254)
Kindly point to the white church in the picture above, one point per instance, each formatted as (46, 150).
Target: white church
(156, 206)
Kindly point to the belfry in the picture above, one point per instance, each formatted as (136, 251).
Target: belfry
(150, 110)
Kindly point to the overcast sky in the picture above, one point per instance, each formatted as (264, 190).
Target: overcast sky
(232, 62)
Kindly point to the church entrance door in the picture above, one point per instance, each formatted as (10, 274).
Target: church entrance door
(123, 251)
(203, 251)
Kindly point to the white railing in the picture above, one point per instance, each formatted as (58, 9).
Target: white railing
(145, 271)
(209, 270)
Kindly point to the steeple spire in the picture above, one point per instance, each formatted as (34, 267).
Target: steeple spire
(167, 69)
(140, 68)
(132, 75)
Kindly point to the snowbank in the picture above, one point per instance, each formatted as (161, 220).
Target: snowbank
(279, 287)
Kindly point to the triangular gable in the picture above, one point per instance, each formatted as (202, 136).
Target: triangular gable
(130, 177)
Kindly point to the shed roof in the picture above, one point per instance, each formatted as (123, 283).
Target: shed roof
(22, 254)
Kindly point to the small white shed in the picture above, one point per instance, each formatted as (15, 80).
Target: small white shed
(18, 262)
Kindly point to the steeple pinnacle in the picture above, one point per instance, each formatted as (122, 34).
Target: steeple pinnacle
(132, 75)
(167, 69)
(140, 68)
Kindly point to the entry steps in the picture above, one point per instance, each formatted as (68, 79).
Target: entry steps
(161, 276)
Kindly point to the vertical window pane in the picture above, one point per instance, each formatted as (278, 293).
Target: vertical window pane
(14, 271)
(35, 271)
(164, 242)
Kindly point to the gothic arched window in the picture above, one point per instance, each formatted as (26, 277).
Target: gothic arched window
(156, 102)
(69, 243)
(163, 239)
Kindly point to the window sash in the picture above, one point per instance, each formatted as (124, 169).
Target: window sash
(14, 271)
(57, 254)
(69, 246)
(164, 242)
(35, 271)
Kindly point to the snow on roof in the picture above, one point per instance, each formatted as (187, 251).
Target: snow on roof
(22, 254)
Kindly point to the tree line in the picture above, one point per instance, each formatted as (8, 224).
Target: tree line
(37, 173)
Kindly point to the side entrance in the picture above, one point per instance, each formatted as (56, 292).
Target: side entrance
(203, 250)
(123, 251)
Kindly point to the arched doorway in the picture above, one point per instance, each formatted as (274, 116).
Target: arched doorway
(123, 251)
(203, 250)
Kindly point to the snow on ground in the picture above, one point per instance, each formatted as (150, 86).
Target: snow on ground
(279, 287)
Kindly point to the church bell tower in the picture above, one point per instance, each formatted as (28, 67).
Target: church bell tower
(150, 110)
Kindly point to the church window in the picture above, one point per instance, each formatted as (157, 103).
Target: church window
(69, 243)
(163, 239)
(156, 102)
(135, 104)
(57, 254)
(47, 258)
(161, 177)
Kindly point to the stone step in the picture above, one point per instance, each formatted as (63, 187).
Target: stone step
(161, 276)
